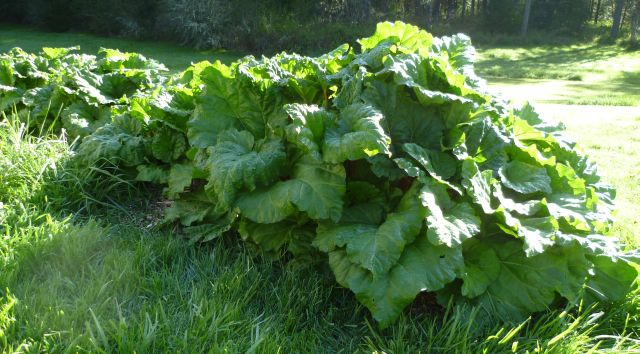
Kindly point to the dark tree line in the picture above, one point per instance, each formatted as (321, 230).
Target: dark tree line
(262, 25)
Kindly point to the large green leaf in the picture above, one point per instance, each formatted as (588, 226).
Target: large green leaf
(428, 81)
(356, 135)
(564, 180)
(168, 145)
(422, 267)
(378, 248)
(81, 119)
(267, 205)
(285, 234)
(538, 234)
(211, 229)
(613, 277)
(529, 284)
(152, 173)
(88, 85)
(240, 162)
(307, 128)
(510, 204)
(6, 74)
(461, 55)
(408, 38)
(230, 101)
(440, 165)
(180, 177)
(478, 185)
(56, 53)
(405, 120)
(315, 188)
(482, 141)
(449, 223)
(481, 268)
(525, 178)
(192, 208)
(114, 144)
(572, 212)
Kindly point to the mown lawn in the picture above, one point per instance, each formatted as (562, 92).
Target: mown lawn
(86, 267)
(586, 74)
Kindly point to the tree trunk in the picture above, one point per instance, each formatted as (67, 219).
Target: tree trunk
(464, 8)
(525, 18)
(473, 8)
(624, 14)
(449, 10)
(435, 13)
(597, 15)
(634, 22)
(484, 6)
(617, 18)
(430, 14)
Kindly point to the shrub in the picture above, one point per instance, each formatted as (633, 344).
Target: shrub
(392, 163)
(197, 23)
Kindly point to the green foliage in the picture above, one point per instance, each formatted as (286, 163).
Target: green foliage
(503, 16)
(393, 162)
(80, 93)
(124, 286)
(569, 16)
(201, 24)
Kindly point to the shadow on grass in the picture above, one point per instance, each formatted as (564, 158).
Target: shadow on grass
(601, 93)
(121, 288)
(631, 78)
(545, 62)
(100, 281)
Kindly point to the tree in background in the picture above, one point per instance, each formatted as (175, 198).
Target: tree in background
(302, 25)
(597, 14)
(635, 18)
(525, 19)
(617, 19)
(560, 16)
(502, 16)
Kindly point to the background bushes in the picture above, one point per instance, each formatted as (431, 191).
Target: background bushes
(263, 26)
(200, 23)
(250, 25)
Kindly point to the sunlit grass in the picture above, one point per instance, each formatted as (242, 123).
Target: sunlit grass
(577, 74)
(566, 92)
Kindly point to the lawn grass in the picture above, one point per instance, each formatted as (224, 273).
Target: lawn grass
(566, 92)
(584, 74)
